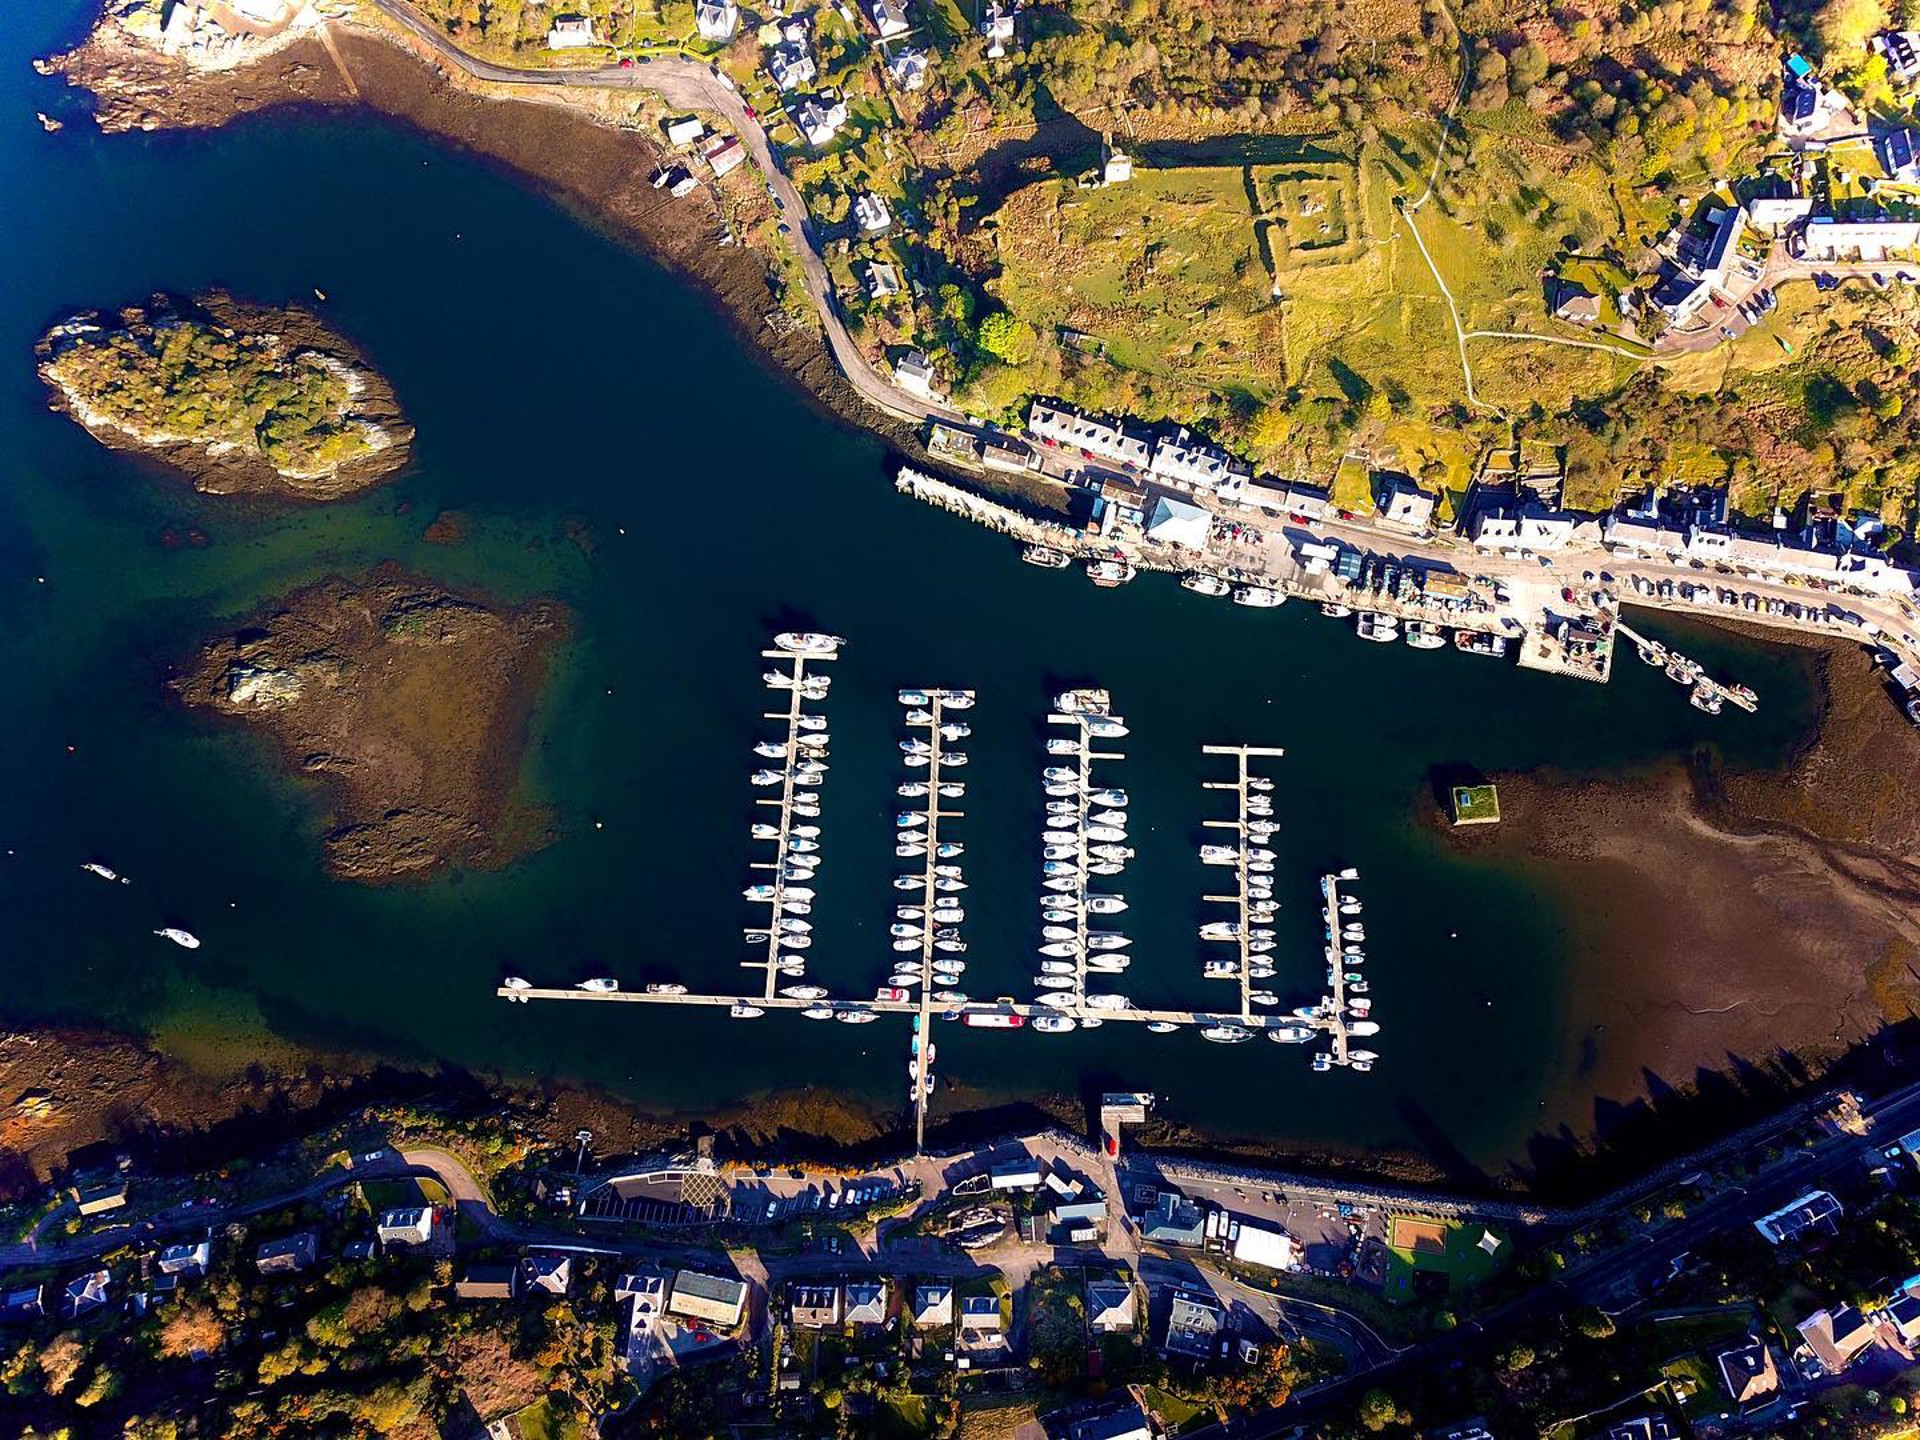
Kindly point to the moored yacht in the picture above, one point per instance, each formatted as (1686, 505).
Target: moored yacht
(1202, 583)
(94, 867)
(1046, 557)
(808, 642)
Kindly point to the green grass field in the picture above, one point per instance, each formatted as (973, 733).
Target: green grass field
(1416, 1245)
(1475, 805)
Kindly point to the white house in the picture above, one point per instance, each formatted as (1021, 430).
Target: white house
(889, 18)
(684, 131)
(186, 1259)
(933, 1305)
(1522, 529)
(409, 1225)
(1641, 537)
(1686, 293)
(883, 280)
(1771, 215)
(716, 19)
(914, 374)
(570, 32)
(791, 66)
(1101, 439)
(1116, 167)
(1110, 1306)
(1401, 502)
(1902, 49)
(819, 120)
(870, 213)
(1829, 239)
(1175, 522)
(866, 1302)
(908, 68)
(1183, 459)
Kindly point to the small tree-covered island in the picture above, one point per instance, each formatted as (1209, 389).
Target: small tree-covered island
(244, 399)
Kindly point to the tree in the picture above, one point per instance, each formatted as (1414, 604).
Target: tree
(1378, 1411)
(1842, 28)
(1006, 337)
(1593, 1322)
(60, 1362)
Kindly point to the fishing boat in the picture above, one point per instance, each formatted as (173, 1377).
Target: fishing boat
(740, 1010)
(1382, 628)
(1046, 557)
(1258, 597)
(1424, 635)
(1083, 702)
(1108, 574)
(1202, 583)
(1226, 1034)
(1291, 1034)
(1473, 642)
(94, 867)
(1334, 610)
(666, 989)
(600, 985)
(1054, 1024)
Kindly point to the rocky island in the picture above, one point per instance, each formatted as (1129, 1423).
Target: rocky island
(244, 399)
(409, 701)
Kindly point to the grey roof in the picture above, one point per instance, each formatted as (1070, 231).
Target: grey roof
(294, 1252)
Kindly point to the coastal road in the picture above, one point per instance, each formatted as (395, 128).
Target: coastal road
(1601, 1277)
(690, 85)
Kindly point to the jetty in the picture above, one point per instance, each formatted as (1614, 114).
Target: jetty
(794, 682)
(1248, 916)
(1707, 693)
(1084, 723)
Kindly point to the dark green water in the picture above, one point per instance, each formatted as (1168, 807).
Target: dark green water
(564, 388)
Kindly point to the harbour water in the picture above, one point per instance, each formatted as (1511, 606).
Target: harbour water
(614, 444)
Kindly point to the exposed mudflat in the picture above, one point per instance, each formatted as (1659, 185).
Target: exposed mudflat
(409, 703)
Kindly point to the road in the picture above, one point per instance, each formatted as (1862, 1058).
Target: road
(690, 85)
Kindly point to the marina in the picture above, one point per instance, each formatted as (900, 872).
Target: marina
(1084, 841)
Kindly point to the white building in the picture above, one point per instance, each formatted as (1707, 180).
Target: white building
(570, 32)
(1902, 49)
(1771, 215)
(1524, 529)
(1401, 502)
(1183, 459)
(819, 120)
(1117, 167)
(1829, 239)
(791, 66)
(883, 280)
(684, 131)
(908, 68)
(186, 1259)
(1094, 437)
(914, 374)
(1175, 522)
(1641, 537)
(1270, 1248)
(996, 23)
(716, 19)
(889, 18)
(1686, 294)
(870, 214)
(410, 1225)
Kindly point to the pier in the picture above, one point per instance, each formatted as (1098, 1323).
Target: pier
(1084, 724)
(797, 750)
(1243, 826)
(1707, 694)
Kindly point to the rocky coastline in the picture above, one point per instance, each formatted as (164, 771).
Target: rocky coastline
(271, 402)
(408, 702)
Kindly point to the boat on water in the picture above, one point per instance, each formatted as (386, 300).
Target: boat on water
(914, 697)
(1474, 642)
(1106, 834)
(1056, 967)
(1424, 635)
(1058, 932)
(955, 730)
(1083, 702)
(908, 882)
(94, 867)
(1362, 1057)
(1107, 940)
(952, 997)
(1060, 949)
(1334, 610)
(1060, 852)
(769, 777)
(1291, 1034)
(855, 1017)
(1226, 1034)
(740, 1010)
(599, 985)
(772, 749)
(1202, 583)
(1363, 1027)
(1382, 628)
(1054, 1024)
(1679, 674)
(1107, 962)
(1063, 745)
(1108, 817)
(804, 992)
(952, 758)
(1219, 970)
(1046, 557)
(764, 831)
(1110, 573)
(1113, 854)
(1161, 1027)
(1220, 930)
(1057, 999)
(1258, 597)
(818, 1012)
(808, 642)
(1106, 727)
(992, 1020)
(1705, 699)
(1115, 798)
(1055, 982)
(905, 931)
(666, 989)
(185, 939)
(1108, 1002)
(1106, 904)
(1322, 1062)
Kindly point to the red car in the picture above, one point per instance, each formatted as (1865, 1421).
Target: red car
(626, 62)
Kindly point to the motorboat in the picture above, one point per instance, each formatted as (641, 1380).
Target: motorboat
(1220, 970)
(1161, 1027)
(1083, 702)
(740, 1010)
(1060, 774)
(1110, 573)
(1046, 557)
(908, 882)
(1107, 962)
(1260, 971)
(797, 942)
(955, 730)
(952, 759)
(1107, 727)
(1226, 1034)
(1258, 597)
(808, 777)
(1262, 997)
(915, 697)
(1054, 1024)
(1058, 932)
(1063, 745)
(1061, 788)
(912, 790)
(1065, 839)
(772, 749)
(1057, 967)
(185, 939)
(1291, 1034)
(1060, 949)
(910, 852)
(764, 831)
(952, 789)
(949, 849)
(1334, 610)
(856, 1017)
(813, 743)
(1107, 940)
(919, 717)
(801, 845)
(804, 992)
(951, 997)
(914, 745)
(811, 722)
(1202, 583)
(1091, 1022)
(1059, 867)
(1363, 1027)
(1106, 904)
(666, 989)
(1219, 855)
(1106, 834)
(903, 979)
(1220, 930)
(1061, 882)
(1108, 1002)
(599, 985)
(1322, 1063)
(516, 983)
(949, 884)
(818, 1012)
(808, 642)
(1382, 628)
(905, 946)
(1105, 867)
(1424, 635)
(1063, 807)
(949, 947)
(1058, 999)
(905, 931)
(802, 862)
(1116, 798)
(769, 777)
(957, 699)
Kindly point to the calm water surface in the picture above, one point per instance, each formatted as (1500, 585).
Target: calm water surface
(617, 446)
